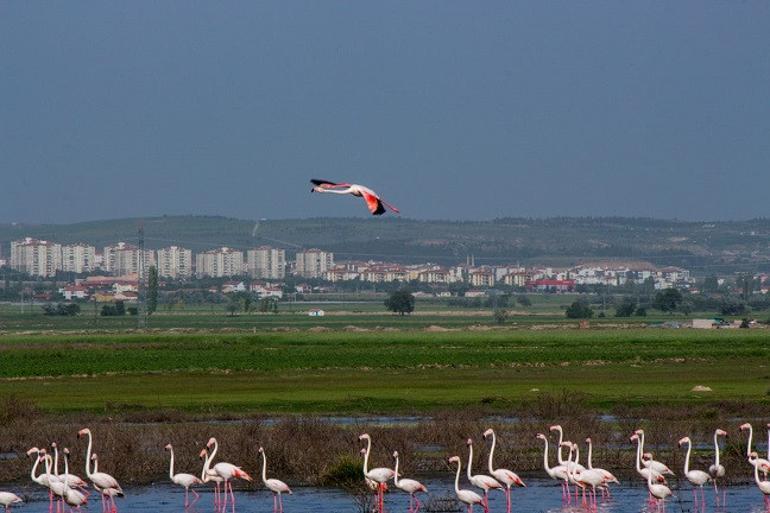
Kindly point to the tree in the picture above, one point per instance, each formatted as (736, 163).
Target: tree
(152, 290)
(667, 300)
(523, 301)
(232, 307)
(579, 310)
(711, 284)
(500, 315)
(400, 302)
(733, 306)
(626, 308)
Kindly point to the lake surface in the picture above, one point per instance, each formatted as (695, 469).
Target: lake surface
(541, 496)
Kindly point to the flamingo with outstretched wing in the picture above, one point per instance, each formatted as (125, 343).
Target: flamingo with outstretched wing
(377, 206)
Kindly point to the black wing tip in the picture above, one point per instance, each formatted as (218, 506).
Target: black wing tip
(316, 181)
(380, 209)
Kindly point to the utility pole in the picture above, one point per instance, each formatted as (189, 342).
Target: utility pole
(141, 319)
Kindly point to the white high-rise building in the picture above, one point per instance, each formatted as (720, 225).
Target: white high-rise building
(220, 262)
(266, 262)
(36, 257)
(78, 258)
(313, 263)
(174, 262)
(122, 259)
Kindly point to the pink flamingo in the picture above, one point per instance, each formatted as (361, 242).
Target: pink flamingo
(379, 475)
(409, 486)
(695, 477)
(7, 499)
(482, 481)
(648, 461)
(607, 475)
(227, 471)
(717, 470)
(505, 476)
(764, 486)
(100, 480)
(468, 497)
(274, 485)
(74, 480)
(42, 478)
(559, 472)
(184, 480)
(375, 204)
(764, 465)
(208, 475)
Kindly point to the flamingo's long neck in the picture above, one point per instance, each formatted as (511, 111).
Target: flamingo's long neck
(687, 458)
(171, 464)
(590, 450)
(756, 473)
(748, 448)
(491, 452)
(48, 467)
(66, 471)
(56, 460)
(457, 476)
(335, 191)
(264, 467)
(34, 468)
(638, 456)
(213, 453)
(470, 459)
(716, 449)
(641, 442)
(366, 456)
(395, 477)
(649, 479)
(88, 455)
(559, 456)
(577, 455)
(545, 457)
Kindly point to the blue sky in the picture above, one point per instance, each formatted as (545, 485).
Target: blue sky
(454, 110)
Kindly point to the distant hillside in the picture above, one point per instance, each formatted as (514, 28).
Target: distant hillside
(718, 246)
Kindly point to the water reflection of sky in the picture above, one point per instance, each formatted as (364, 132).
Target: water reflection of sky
(541, 496)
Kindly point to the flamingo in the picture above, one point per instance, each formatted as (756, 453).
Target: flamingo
(375, 204)
(607, 475)
(100, 480)
(646, 473)
(379, 475)
(208, 475)
(227, 471)
(482, 481)
(59, 486)
(559, 457)
(761, 462)
(586, 478)
(657, 490)
(72, 497)
(465, 496)
(107, 493)
(274, 485)
(505, 476)
(649, 462)
(8, 498)
(73, 479)
(42, 478)
(184, 480)
(409, 486)
(717, 470)
(764, 486)
(695, 477)
(559, 472)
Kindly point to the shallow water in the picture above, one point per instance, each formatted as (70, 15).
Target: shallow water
(541, 496)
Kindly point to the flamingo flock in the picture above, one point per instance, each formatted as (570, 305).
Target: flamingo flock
(66, 489)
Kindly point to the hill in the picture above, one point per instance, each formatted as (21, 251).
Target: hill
(706, 246)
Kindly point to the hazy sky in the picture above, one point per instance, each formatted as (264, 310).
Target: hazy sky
(449, 109)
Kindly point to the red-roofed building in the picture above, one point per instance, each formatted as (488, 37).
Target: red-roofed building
(548, 285)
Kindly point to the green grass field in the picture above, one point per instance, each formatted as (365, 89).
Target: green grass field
(381, 371)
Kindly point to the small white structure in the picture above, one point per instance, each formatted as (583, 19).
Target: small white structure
(705, 324)
(316, 312)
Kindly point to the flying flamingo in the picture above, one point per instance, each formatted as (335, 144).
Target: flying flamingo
(379, 475)
(505, 476)
(716, 470)
(73, 480)
(559, 472)
(695, 477)
(274, 485)
(8, 498)
(183, 480)
(465, 496)
(100, 480)
(764, 486)
(409, 486)
(608, 477)
(208, 475)
(375, 204)
(227, 471)
(482, 481)
(761, 462)
(657, 466)
(657, 490)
